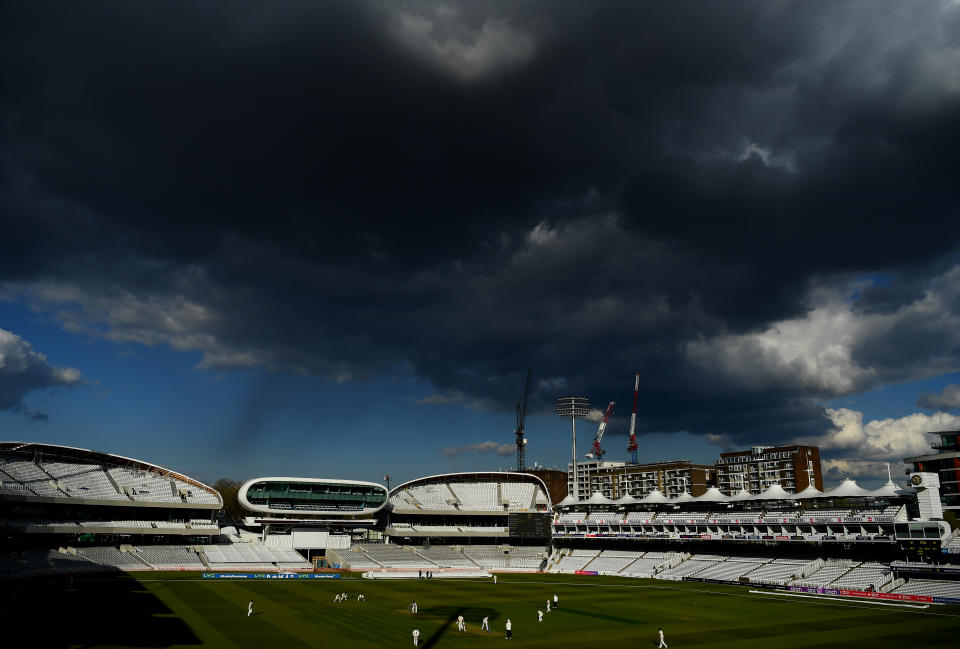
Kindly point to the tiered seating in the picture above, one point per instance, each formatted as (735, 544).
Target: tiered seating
(290, 559)
(776, 572)
(145, 485)
(29, 475)
(866, 574)
(393, 556)
(613, 560)
(931, 587)
(639, 517)
(732, 516)
(489, 557)
(446, 557)
(826, 574)
(9, 486)
(477, 496)
(83, 480)
(731, 569)
(688, 568)
(519, 494)
(574, 561)
(111, 556)
(526, 557)
(827, 514)
(203, 524)
(432, 497)
(403, 499)
(234, 557)
(649, 563)
(170, 557)
(572, 517)
(605, 518)
(357, 560)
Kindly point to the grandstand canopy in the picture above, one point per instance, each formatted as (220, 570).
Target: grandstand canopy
(774, 492)
(53, 473)
(743, 494)
(684, 497)
(626, 499)
(887, 490)
(809, 492)
(598, 499)
(712, 495)
(846, 489)
(569, 500)
(655, 496)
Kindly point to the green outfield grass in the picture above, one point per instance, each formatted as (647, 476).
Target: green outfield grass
(161, 610)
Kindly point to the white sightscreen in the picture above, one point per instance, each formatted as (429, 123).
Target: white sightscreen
(309, 539)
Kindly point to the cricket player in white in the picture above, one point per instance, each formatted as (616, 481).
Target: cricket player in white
(494, 579)
(548, 605)
(660, 636)
(413, 607)
(485, 625)
(460, 625)
(555, 600)
(539, 615)
(250, 608)
(416, 637)
(509, 629)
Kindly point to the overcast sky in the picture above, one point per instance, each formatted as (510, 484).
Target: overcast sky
(242, 238)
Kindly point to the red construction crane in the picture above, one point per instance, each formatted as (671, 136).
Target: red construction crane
(597, 451)
(632, 446)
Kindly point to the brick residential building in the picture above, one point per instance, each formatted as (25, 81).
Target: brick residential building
(792, 467)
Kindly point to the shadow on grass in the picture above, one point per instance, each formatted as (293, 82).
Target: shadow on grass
(91, 610)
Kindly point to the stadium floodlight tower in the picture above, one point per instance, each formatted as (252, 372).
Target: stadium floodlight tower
(573, 407)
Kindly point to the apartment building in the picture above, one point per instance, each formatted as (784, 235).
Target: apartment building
(792, 467)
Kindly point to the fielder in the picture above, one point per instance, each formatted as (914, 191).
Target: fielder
(250, 608)
(460, 625)
(539, 615)
(485, 625)
(660, 637)
(416, 637)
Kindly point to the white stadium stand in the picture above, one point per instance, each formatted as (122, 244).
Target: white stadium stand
(489, 557)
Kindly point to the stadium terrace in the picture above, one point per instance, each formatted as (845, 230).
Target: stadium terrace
(66, 510)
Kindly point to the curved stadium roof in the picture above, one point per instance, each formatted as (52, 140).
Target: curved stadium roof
(88, 456)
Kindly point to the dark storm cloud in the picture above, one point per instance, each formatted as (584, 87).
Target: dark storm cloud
(24, 370)
(463, 190)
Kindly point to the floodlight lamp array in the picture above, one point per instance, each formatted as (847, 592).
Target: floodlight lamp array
(573, 406)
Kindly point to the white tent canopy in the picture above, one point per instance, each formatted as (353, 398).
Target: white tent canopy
(626, 499)
(889, 489)
(846, 489)
(569, 500)
(598, 499)
(655, 496)
(743, 494)
(712, 495)
(774, 492)
(809, 492)
(685, 497)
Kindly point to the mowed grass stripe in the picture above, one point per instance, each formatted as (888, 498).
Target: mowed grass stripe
(209, 633)
(231, 614)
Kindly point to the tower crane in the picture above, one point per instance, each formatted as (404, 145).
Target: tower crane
(632, 446)
(521, 419)
(597, 451)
